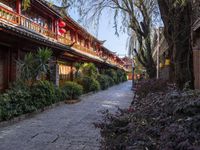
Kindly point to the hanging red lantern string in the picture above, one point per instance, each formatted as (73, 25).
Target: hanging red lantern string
(62, 31)
(61, 24)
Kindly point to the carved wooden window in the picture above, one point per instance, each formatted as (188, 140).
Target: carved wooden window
(38, 18)
(64, 72)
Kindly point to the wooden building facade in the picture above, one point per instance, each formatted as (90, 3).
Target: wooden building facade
(196, 53)
(42, 25)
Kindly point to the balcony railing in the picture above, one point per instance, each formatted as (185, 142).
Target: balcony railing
(9, 16)
(27, 23)
(85, 49)
(19, 20)
(22, 21)
(64, 40)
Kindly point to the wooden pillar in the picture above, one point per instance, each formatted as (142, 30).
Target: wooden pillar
(8, 68)
(18, 71)
(54, 76)
(89, 43)
(55, 29)
(12, 65)
(71, 72)
(76, 37)
(19, 6)
(4, 59)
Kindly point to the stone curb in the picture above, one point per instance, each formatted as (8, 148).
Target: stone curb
(72, 101)
(87, 94)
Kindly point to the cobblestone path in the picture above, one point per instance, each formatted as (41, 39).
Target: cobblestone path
(66, 127)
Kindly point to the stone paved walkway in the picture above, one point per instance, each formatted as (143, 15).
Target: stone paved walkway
(66, 127)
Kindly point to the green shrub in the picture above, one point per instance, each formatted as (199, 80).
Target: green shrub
(5, 107)
(121, 75)
(103, 81)
(90, 70)
(89, 84)
(124, 77)
(110, 81)
(21, 99)
(112, 73)
(59, 94)
(95, 86)
(15, 102)
(72, 90)
(43, 94)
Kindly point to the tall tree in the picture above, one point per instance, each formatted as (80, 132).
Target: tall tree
(135, 16)
(176, 16)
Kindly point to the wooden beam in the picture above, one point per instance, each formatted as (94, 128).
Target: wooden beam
(18, 6)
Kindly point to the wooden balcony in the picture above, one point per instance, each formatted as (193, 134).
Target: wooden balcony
(14, 19)
(9, 16)
(85, 49)
(64, 40)
(29, 24)
(22, 21)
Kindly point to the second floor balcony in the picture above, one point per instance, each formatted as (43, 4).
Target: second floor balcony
(14, 19)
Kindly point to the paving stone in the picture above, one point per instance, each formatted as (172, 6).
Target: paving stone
(66, 127)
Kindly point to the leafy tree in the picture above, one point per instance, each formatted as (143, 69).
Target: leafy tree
(26, 66)
(78, 67)
(35, 65)
(42, 58)
(26, 3)
(136, 18)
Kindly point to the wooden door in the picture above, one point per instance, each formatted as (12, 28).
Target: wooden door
(3, 69)
(196, 64)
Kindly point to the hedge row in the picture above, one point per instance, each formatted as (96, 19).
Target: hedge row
(102, 81)
(22, 99)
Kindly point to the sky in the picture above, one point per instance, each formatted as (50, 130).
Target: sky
(106, 32)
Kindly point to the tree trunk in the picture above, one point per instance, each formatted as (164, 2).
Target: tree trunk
(177, 24)
(144, 56)
(151, 71)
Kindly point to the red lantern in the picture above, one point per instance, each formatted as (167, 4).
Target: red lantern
(62, 31)
(62, 24)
